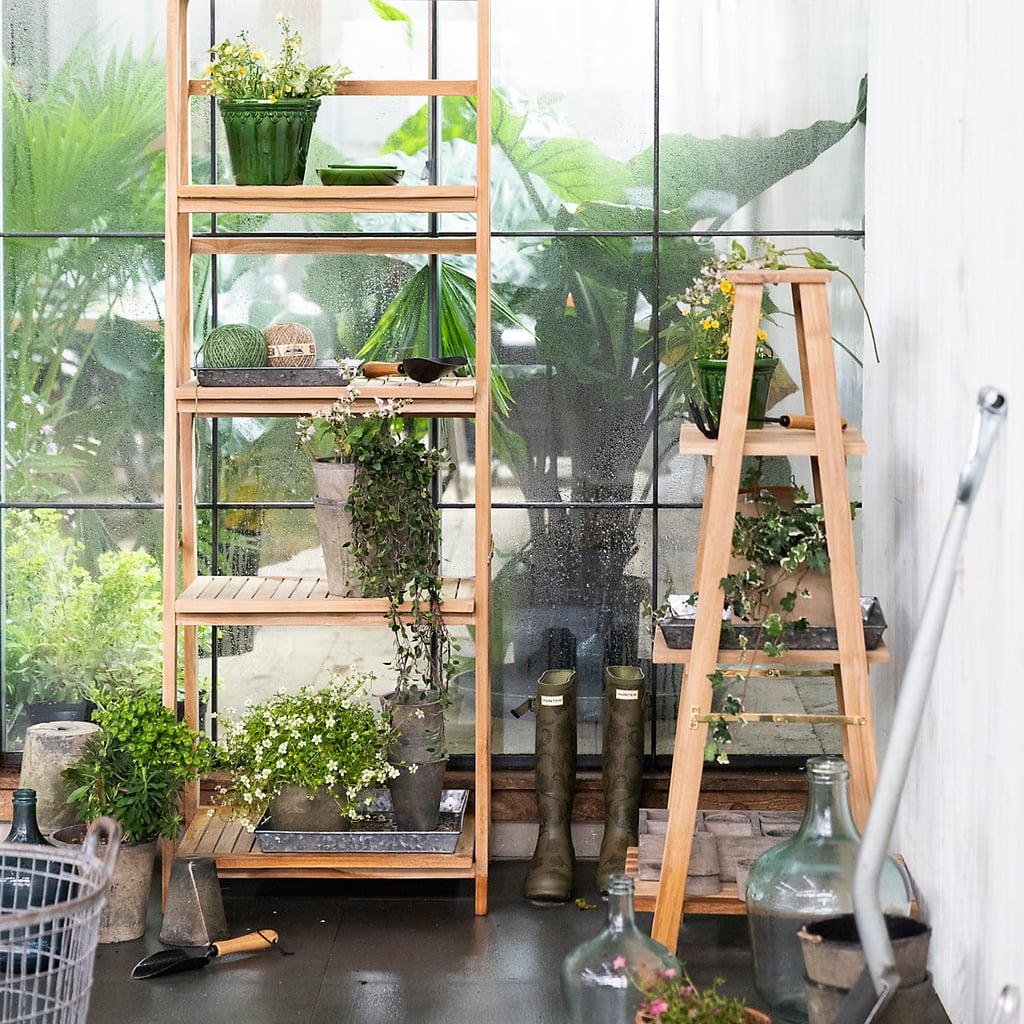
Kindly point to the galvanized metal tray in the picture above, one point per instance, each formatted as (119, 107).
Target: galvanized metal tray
(376, 833)
(678, 632)
(325, 372)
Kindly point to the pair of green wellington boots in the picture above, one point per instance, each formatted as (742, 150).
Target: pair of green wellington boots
(550, 876)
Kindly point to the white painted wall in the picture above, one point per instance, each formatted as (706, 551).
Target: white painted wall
(945, 216)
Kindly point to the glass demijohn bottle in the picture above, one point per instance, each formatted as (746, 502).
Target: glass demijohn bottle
(600, 977)
(804, 879)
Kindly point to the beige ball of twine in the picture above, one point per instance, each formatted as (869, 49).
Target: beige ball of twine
(290, 344)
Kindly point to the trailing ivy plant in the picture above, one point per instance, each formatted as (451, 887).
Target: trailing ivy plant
(396, 535)
(781, 543)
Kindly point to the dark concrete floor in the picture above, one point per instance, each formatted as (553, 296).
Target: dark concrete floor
(395, 952)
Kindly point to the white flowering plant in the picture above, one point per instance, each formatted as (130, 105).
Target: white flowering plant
(241, 70)
(328, 736)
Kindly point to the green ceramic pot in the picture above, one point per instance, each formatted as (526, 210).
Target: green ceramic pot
(268, 142)
(711, 382)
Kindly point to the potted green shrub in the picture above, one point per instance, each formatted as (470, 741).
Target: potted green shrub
(134, 770)
(71, 631)
(305, 759)
(268, 108)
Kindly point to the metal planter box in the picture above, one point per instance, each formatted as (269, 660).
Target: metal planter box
(326, 373)
(678, 633)
(376, 833)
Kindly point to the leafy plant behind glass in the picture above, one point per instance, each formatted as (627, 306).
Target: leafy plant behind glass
(78, 153)
(588, 296)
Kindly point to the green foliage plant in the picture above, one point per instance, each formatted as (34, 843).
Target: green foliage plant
(136, 767)
(673, 998)
(781, 541)
(241, 70)
(328, 736)
(396, 530)
(71, 633)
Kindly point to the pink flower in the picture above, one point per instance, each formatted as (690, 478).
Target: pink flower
(657, 1007)
(669, 973)
(618, 963)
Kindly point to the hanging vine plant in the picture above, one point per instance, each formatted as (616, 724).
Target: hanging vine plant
(396, 536)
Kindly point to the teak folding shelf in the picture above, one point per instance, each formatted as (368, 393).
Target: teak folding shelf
(261, 600)
(828, 447)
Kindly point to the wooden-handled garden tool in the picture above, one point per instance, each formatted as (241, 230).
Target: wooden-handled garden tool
(421, 369)
(171, 961)
(706, 424)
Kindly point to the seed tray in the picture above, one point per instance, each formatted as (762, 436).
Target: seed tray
(376, 833)
(678, 632)
(325, 372)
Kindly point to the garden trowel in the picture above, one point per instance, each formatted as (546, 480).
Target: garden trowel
(171, 961)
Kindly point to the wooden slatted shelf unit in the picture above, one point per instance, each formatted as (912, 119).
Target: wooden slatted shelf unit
(211, 833)
(827, 446)
(260, 600)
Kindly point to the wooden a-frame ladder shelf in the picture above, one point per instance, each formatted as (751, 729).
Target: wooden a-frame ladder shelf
(828, 447)
(261, 600)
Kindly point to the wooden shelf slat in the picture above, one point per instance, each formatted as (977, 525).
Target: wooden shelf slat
(264, 600)
(645, 894)
(380, 87)
(381, 245)
(770, 440)
(447, 397)
(662, 654)
(327, 199)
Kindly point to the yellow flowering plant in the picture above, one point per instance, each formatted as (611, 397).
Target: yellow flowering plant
(707, 308)
(240, 70)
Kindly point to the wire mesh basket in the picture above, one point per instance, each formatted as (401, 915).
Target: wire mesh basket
(50, 904)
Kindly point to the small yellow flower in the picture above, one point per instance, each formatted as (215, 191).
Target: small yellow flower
(727, 287)
(762, 334)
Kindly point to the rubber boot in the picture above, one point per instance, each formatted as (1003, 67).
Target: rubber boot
(622, 766)
(550, 877)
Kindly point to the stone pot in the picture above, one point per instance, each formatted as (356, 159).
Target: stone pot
(294, 809)
(268, 142)
(416, 795)
(124, 913)
(833, 954)
(418, 729)
(334, 524)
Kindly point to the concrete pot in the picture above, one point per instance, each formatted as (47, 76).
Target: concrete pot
(124, 913)
(833, 954)
(294, 809)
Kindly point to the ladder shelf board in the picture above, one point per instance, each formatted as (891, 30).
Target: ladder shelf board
(447, 397)
(645, 894)
(306, 199)
(770, 440)
(665, 655)
(212, 833)
(273, 245)
(298, 600)
(379, 87)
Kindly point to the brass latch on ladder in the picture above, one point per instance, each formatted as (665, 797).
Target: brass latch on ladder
(696, 718)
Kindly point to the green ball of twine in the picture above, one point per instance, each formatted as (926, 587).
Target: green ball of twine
(235, 345)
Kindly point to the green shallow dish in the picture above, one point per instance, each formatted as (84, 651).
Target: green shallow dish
(360, 174)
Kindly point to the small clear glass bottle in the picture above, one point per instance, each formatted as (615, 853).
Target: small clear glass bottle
(804, 879)
(599, 977)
